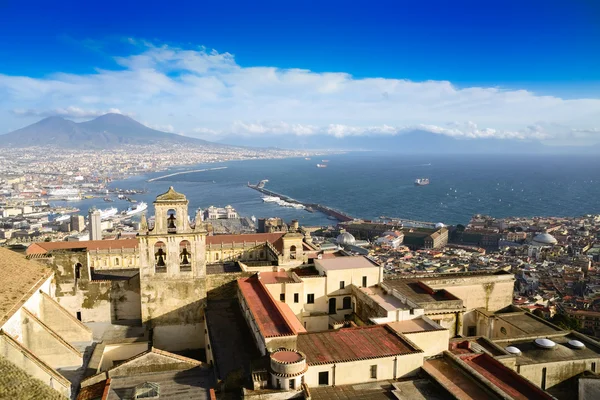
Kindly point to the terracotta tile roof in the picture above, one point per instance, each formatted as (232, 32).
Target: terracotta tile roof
(348, 344)
(504, 378)
(269, 317)
(19, 279)
(97, 391)
(250, 237)
(45, 247)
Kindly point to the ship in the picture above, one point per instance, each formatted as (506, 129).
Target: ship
(138, 208)
(422, 181)
(61, 218)
(107, 213)
(63, 192)
(73, 198)
(321, 165)
(325, 160)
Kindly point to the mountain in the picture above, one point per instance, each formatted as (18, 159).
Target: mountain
(415, 142)
(106, 131)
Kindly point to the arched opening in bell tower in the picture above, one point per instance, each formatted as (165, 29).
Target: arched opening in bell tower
(172, 221)
(185, 256)
(293, 252)
(160, 257)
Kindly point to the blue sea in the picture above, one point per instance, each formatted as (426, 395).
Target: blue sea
(370, 184)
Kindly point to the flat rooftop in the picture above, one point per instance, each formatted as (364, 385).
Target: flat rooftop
(533, 354)
(413, 325)
(528, 324)
(386, 301)
(419, 292)
(340, 263)
(348, 344)
(268, 278)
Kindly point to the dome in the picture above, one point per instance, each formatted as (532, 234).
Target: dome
(544, 239)
(513, 350)
(545, 343)
(576, 344)
(345, 238)
(439, 225)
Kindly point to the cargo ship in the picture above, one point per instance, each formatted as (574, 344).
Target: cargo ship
(421, 181)
(321, 165)
(107, 213)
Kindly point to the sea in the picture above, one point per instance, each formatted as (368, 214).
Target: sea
(373, 184)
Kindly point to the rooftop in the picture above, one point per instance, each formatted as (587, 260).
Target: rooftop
(528, 324)
(386, 301)
(19, 278)
(244, 238)
(348, 344)
(419, 292)
(413, 325)
(171, 195)
(45, 247)
(17, 384)
(273, 319)
(340, 263)
(268, 278)
(533, 354)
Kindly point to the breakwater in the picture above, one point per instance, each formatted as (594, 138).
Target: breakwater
(185, 172)
(331, 212)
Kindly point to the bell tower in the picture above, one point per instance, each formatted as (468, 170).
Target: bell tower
(173, 274)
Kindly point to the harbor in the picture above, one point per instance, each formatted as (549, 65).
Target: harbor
(310, 207)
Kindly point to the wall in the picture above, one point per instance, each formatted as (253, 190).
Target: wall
(492, 292)
(353, 372)
(46, 345)
(64, 324)
(315, 285)
(114, 259)
(447, 321)
(431, 342)
(28, 362)
(556, 372)
(120, 352)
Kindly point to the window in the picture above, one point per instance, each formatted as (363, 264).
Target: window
(412, 311)
(593, 367)
(342, 284)
(79, 315)
(347, 303)
(278, 384)
(296, 298)
(78, 271)
(503, 330)
(292, 384)
(373, 371)
(471, 331)
(364, 281)
(116, 261)
(310, 298)
(282, 297)
(324, 378)
(147, 390)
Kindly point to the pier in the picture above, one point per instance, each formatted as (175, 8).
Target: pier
(185, 172)
(338, 215)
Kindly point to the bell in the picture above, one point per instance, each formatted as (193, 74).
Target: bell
(171, 222)
(184, 257)
(160, 258)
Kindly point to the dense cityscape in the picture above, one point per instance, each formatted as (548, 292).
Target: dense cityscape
(300, 200)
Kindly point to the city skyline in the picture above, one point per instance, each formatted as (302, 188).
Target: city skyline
(341, 72)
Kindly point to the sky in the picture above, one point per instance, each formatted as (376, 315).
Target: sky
(472, 69)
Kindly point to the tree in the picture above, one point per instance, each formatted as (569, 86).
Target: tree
(460, 228)
(565, 322)
(538, 313)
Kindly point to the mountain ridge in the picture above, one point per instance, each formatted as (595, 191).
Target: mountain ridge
(104, 132)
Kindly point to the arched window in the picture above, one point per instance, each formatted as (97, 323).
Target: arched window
(293, 252)
(160, 257)
(185, 256)
(171, 221)
(116, 261)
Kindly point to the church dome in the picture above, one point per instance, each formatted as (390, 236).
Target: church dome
(544, 239)
(345, 238)
(439, 225)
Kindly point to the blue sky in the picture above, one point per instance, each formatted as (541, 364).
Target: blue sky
(546, 48)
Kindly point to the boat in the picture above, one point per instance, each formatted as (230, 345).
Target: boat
(108, 200)
(271, 199)
(107, 213)
(325, 160)
(422, 181)
(307, 158)
(73, 198)
(138, 208)
(61, 218)
(63, 192)
(321, 165)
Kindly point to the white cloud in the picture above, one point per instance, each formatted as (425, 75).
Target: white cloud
(68, 112)
(206, 93)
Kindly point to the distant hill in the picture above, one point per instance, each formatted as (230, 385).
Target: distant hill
(106, 131)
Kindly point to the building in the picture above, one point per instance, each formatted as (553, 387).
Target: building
(213, 212)
(77, 223)
(95, 224)
(425, 238)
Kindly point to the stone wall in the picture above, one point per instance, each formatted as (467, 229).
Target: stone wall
(62, 322)
(224, 286)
